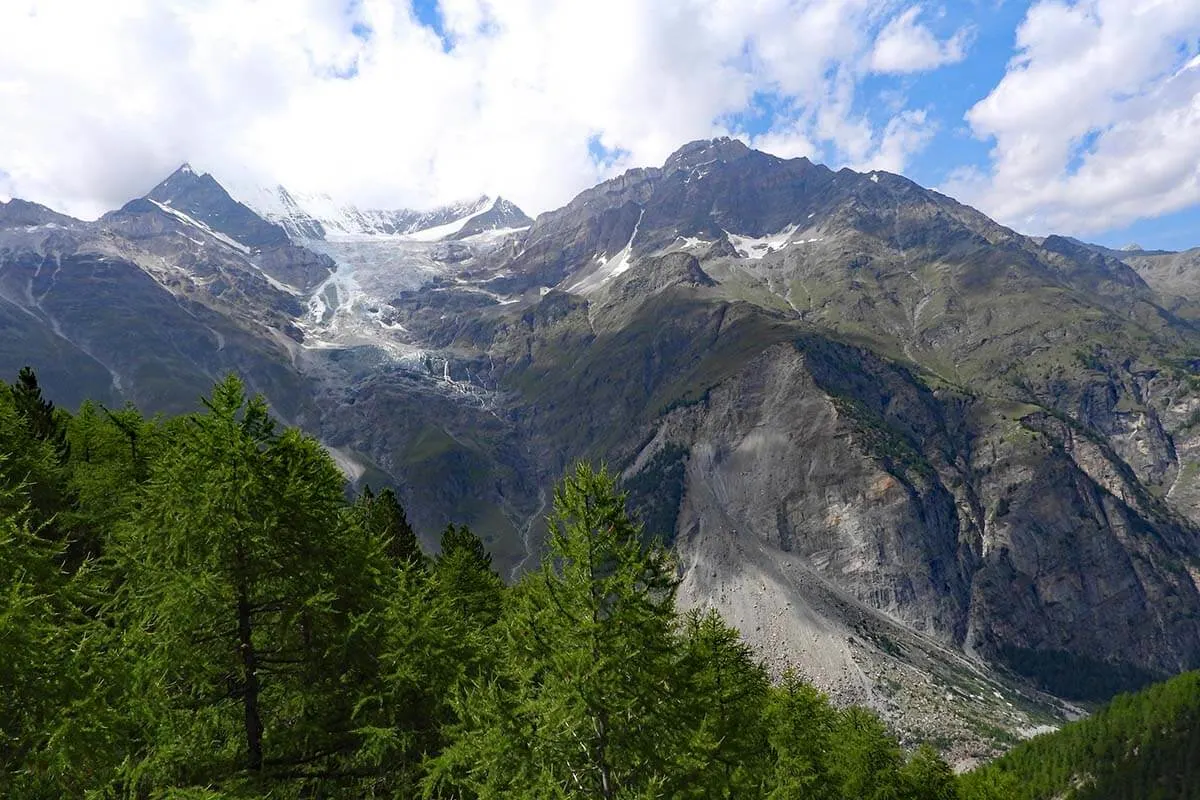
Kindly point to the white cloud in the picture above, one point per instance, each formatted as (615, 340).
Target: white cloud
(904, 45)
(109, 97)
(1096, 122)
(906, 133)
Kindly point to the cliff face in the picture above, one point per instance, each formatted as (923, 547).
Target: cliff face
(997, 536)
(883, 534)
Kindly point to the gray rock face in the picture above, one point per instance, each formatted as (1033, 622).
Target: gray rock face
(205, 200)
(500, 216)
(20, 213)
(1172, 274)
(157, 301)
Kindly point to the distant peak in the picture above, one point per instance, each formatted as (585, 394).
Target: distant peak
(703, 151)
(22, 212)
(1133, 247)
(202, 198)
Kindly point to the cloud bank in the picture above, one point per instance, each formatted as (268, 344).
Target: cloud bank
(533, 98)
(1094, 122)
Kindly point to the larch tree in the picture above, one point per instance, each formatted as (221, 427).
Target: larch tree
(584, 703)
(242, 587)
(728, 755)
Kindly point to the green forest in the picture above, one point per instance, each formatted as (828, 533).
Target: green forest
(1143, 746)
(194, 608)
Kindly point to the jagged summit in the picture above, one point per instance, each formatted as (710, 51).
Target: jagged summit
(200, 197)
(706, 151)
(263, 217)
(501, 215)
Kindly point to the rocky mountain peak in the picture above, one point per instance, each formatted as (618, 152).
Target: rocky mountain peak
(200, 197)
(501, 214)
(705, 151)
(182, 183)
(22, 213)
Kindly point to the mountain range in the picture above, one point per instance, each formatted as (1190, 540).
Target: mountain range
(940, 467)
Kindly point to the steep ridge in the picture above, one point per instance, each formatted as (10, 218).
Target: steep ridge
(200, 197)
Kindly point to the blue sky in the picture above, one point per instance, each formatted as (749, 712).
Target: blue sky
(1072, 116)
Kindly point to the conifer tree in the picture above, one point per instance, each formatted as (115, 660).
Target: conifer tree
(427, 649)
(240, 594)
(727, 693)
(32, 468)
(866, 760)
(385, 517)
(800, 728)
(927, 777)
(584, 704)
(45, 423)
(104, 474)
(465, 575)
(30, 585)
(52, 744)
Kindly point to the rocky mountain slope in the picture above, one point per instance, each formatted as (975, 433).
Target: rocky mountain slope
(153, 302)
(933, 463)
(844, 385)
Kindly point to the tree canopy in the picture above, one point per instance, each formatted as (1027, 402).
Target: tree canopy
(192, 608)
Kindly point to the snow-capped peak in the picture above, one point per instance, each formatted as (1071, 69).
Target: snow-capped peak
(319, 216)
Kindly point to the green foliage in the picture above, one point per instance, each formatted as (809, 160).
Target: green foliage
(582, 704)
(927, 777)
(241, 588)
(656, 492)
(800, 728)
(728, 754)
(1145, 745)
(865, 760)
(39, 414)
(384, 517)
(190, 608)
(465, 575)
(32, 461)
(31, 643)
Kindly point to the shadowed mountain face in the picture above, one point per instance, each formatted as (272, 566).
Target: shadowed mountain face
(152, 304)
(203, 199)
(927, 460)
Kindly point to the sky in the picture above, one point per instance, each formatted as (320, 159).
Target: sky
(1079, 117)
